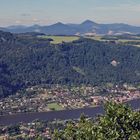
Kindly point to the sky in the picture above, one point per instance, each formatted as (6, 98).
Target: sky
(45, 12)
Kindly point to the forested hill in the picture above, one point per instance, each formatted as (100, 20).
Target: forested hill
(28, 60)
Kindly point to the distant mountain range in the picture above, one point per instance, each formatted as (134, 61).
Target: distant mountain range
(85, 28)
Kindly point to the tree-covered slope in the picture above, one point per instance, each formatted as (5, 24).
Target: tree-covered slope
(31, 60)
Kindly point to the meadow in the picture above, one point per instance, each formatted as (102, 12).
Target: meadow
(54, 106)
(60, 39)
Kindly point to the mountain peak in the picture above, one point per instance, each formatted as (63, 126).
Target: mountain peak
(59, 23)
(88, 22)
(87, 26)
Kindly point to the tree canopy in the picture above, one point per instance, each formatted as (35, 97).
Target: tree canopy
(118, 123)
(30, 60)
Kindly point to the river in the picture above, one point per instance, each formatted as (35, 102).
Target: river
(63, 115)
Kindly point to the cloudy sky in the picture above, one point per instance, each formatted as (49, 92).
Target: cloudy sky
(28, 12)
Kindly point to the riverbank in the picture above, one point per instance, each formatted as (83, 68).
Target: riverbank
(63, 115)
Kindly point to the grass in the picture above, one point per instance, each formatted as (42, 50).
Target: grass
(54, 106)
(60, 39)
(127, 40)
(98, 38)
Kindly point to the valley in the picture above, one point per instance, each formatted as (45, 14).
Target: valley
(69, 70)
(45, 125)
(48, 98)
(51, 80)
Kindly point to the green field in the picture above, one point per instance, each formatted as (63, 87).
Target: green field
(98, 38)
(60, 39)
(54, 106)
(127, 40)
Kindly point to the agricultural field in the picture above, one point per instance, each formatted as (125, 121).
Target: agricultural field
(98, 38)
(132, 40)
(60, 39)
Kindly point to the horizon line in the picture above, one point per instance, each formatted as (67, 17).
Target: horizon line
(66, 23)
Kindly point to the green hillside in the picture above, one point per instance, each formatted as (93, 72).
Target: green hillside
(33, 61)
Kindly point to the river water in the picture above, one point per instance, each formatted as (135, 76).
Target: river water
(63, 115)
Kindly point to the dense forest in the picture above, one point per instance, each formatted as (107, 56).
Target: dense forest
(27, 60)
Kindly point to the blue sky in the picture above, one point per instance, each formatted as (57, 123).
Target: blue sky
(28, 12)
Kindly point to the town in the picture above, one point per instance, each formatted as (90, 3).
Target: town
(56, 97)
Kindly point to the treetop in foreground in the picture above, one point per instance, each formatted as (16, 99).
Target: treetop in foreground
(118, 123)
